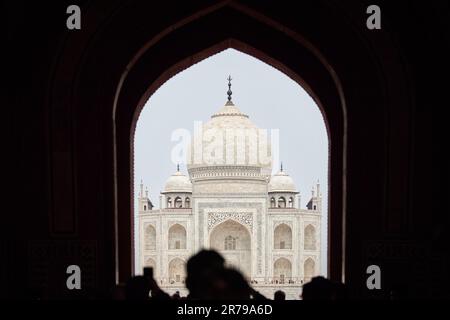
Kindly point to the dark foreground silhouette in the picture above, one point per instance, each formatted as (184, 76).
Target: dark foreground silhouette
(209, 279)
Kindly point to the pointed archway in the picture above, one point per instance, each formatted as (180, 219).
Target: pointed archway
(333, 102)
(233, 241)
(124, 82)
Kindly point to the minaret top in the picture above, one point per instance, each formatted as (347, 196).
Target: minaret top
(229, 92)
(318, 188)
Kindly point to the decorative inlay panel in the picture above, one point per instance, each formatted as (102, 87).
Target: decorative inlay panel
(215, 218)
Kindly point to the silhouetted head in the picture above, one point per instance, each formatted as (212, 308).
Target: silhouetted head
(279, 295)
(205, 260)
(137, 288)
(319, 288)
(203, 269)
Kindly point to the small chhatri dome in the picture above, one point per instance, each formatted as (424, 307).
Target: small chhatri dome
(282, 182)
(178, 182)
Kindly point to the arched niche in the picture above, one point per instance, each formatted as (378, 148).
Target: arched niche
(233, 241)
(282, 237)
(177, 272)
(150, 238)
(282, 270)
(177, 237)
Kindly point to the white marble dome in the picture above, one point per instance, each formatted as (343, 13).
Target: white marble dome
(281, 182)
(178, 182)
(248, 147)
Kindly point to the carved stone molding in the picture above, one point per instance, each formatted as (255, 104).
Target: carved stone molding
(171, 223)
(289, 257)
(276, 223)
(215, 218)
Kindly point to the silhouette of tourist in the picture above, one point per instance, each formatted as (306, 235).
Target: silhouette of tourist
(231, 285)
(279, 295)
(203, 275)
(207, 279)
(320, 288)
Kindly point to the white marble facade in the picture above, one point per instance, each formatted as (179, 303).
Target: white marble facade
(237, 207)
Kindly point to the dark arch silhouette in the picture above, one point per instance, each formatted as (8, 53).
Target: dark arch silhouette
(149, 68)
(93, 97)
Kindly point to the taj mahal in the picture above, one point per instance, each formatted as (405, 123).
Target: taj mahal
(230, 201)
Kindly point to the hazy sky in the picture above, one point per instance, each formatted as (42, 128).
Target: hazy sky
(271, 100)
